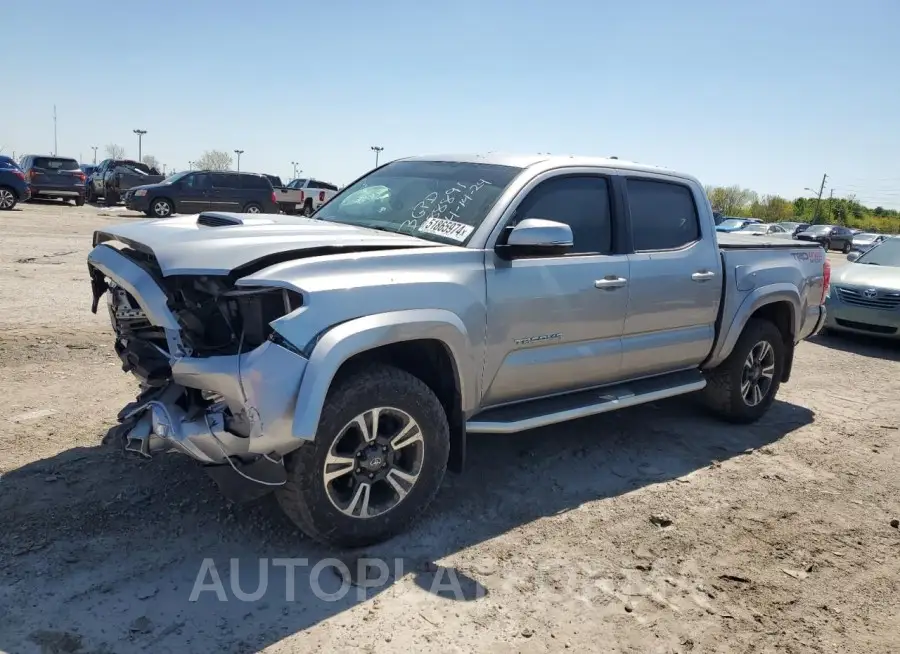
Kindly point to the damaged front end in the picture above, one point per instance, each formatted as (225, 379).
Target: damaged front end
(217, 382)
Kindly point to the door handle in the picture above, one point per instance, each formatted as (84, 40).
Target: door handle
(703, 275)
(610, 283)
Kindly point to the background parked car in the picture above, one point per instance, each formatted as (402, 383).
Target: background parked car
(52, 177)
(114, 177)
(864, 240)
(734, 224)
(302, 196)
(830, 237)
(764, 229)
(13, 187)
(88, 170)
(204, 190)
(793, 227)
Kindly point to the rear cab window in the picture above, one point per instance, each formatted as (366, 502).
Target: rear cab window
(663, 214)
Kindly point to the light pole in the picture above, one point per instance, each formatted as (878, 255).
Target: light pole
(190, 165)
(239, 153)
(295, 164)
(164, 170)
(94, 148)
(140, 133)
(377, 149)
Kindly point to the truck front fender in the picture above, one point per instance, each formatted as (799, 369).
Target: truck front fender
(343, 341)
(755, 300)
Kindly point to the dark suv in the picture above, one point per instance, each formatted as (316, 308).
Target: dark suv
(13, 187)
(830, 237)
(204, 190)
(54, 177)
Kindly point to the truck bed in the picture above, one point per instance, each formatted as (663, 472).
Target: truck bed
(745, 242)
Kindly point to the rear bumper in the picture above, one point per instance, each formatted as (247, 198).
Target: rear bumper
(57, 191)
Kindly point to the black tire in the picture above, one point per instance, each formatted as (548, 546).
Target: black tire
(252, 207)
(827, 245)
(161, 208)
(307, 209)
(847, 247)
(8, 198)
(304, 498)
(79, 201)
(111, 198)
(89, 193)
(722, 394)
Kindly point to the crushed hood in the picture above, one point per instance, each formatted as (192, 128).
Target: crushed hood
(216, 243)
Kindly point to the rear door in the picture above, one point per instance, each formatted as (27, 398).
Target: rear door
(675, 281)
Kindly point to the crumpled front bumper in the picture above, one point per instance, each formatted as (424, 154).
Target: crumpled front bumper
(255, 392)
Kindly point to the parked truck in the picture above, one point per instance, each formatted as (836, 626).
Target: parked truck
(342, 361)
(302, 196)
(113, 177)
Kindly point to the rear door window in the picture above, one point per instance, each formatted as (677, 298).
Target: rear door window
(254, 182)
(663, 215)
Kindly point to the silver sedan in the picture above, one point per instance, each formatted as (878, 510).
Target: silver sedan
(865, 294)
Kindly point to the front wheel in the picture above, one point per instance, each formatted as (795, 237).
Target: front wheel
(89, 194)
(742, 388)
(161, 208)
(846, 249)
(110, 198)
(377, 461)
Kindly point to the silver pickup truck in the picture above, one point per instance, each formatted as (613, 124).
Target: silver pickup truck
(342, 360)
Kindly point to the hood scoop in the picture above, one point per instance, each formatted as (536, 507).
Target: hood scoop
(221, 219)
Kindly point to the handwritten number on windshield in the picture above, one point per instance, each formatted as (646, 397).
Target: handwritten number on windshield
(457, 196)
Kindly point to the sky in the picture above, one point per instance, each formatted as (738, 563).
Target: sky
(767, 94)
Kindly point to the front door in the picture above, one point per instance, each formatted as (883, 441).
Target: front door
(675, 285)
(193, 196)
(554, 324)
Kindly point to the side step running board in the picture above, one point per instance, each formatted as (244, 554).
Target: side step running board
(549, 411)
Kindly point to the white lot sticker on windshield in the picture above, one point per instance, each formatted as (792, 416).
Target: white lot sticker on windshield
(447, 228)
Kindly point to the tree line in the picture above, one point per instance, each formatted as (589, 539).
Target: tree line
(211, 159)
(848, 211)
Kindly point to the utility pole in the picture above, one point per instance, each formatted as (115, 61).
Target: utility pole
(54, 131)
(295, 164)
(239, 153)
(140, 133)
(164, 170)
(94, 148)
(830, 203)
(819, 199)
(377, 149)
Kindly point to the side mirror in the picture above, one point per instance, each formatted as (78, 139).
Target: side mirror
(536, 237)
(853, 256)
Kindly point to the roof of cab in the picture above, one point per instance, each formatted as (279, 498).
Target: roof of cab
(549, 161)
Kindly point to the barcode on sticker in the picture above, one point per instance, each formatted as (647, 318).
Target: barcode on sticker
(447, 228)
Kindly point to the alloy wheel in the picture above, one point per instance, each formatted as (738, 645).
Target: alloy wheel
(7, 199)
(374, 462)
(758, 373)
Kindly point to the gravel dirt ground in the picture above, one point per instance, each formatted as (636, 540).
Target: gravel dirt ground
(651, 530)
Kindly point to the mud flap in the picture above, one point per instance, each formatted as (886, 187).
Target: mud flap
(238, 488)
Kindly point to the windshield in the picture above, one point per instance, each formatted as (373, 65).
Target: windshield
(865, 237)
(756, 227)
(818, 228)
(732, 223)
(435, 200)
(886, 253)
(790, 226)
(297, 183)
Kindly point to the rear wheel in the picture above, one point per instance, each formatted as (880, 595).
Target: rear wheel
(8, 198)
(377, 461)
(847, 246)
(742, 388)
(253, 208)
(79, 201)
(307, 208)
(160, 208)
